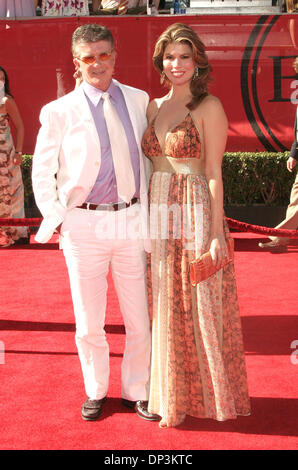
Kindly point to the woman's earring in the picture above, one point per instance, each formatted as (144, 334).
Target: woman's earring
(162, 78)
(196, 73)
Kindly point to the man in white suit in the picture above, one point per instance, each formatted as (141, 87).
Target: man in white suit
(76, 188)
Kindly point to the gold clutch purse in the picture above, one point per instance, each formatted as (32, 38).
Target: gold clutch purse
(203, 267)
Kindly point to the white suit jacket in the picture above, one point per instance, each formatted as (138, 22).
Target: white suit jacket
(67, 157)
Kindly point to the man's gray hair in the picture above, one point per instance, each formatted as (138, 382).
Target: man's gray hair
(90, 33)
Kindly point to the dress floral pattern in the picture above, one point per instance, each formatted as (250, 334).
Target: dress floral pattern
(198, 366)
(64, 8)
(11, 186)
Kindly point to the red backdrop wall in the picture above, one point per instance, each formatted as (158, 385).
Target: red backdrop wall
(251, 56)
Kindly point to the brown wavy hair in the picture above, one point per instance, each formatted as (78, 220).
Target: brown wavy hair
(6, 83)
(179, 32)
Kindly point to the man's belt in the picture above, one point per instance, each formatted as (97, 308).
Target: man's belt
(108, 207)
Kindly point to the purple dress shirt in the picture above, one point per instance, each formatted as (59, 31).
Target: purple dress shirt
(105, 188)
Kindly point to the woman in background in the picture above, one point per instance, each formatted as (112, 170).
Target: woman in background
(64, 8)
(15, 8)
(11, 184)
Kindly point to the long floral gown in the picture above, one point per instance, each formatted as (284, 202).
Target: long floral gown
(198, 366)
(11, 187)
(64, 8)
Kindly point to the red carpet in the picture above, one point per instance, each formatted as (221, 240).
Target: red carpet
(41, 388)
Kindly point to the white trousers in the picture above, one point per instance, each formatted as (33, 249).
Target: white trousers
(93, 241)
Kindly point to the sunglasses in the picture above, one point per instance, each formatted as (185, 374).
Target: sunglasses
(90, 60)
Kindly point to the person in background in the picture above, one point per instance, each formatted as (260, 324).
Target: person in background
(198, 365)
(154, 4)
(290, 222)
(291, 6)
(17, 8)
(115, 7)
(95, 5)
(64, 8)
(11, 184)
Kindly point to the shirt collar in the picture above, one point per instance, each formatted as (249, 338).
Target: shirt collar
(94, 94)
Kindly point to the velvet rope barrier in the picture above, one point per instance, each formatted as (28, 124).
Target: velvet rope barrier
(244, 227)
(234, 224)
(35, 222)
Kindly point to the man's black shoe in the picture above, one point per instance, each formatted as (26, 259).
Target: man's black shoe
(128, 403)
(91, 409)
(142, 411)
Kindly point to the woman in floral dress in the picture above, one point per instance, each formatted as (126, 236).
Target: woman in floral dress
(64, 8)
(198, 365)
(11, 185)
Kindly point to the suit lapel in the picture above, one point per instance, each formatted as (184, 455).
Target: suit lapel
(81, 109)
